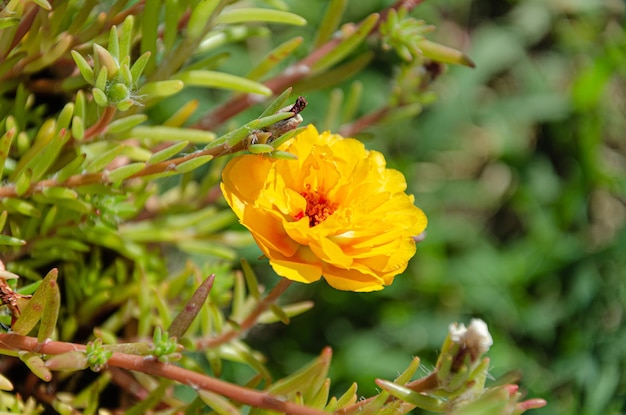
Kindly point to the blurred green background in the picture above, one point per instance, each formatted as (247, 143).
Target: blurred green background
(520, 166)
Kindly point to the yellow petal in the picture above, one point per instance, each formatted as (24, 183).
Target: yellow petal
(359, 235)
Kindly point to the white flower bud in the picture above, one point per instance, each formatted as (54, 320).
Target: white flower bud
(476, 337)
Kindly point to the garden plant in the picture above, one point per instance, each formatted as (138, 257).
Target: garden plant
(182, 178)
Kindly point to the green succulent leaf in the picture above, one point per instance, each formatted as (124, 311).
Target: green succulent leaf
(222, 80)
(241, 15)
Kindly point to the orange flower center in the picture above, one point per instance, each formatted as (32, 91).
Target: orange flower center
(318, 207)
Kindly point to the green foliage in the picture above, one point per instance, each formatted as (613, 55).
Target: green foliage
(116, 119)
(519, 165)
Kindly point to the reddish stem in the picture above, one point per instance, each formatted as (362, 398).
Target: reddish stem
(151, 366)
(362, 123)
(100, 126)
(249, 321)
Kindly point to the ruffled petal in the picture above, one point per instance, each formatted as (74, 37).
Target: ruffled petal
(336, 211)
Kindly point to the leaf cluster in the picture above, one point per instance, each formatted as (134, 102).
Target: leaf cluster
(111, 215)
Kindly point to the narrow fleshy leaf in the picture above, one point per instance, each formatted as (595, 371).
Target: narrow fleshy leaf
(319, 399)
(48, 220)
(140, 64)
(216, 402)
(23, 181)
(100, 97)
(65, 116)
(44, 4)
(222, 80)
(242, 15)
(83, 66)
(99, 163)
(185, 317)
(309, 378)
(421, 401)
(408, 373)
(333, 110)
(288, 311)
(72, 168)
(260, 148)
(199, 17)
(8, 22)
(59, 193)
(20, 206)
(50, 313)
(218, 250)
(126, 75)
(353, 99)
(168, 152)
(104, 59)
(34, 309)
(330, 22)
(125, 37)
(193, 164)
(48, 155)
(347, 45)
(125, 172)
(340, 73)
(170, 24)
(150, 30)
(283, 155)
(7, 240)
(279, 313)
(349, 397)
(145, 405)
(160, 133)
(161, 88)
(182, 114)
(114, 43)
(101, 79)
(70, 361)
(36, 365)
(277, 103)
(126, 123)
(283, 138)
(251, 280)
(445, 54)
(240, 352)
(80, 105)
(5, 145)
(5, 384)
(273, 58)
(78, 128)
(51, 55)
(225, 36)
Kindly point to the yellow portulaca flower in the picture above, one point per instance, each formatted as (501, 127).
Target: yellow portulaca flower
(335, 212)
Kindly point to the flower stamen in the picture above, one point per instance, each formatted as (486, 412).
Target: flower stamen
(318, 207)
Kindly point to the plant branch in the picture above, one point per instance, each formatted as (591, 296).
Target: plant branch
(355, 127)
(100, 126)
(15, 342)
(287, 78)
(79, 180)
(249, 321)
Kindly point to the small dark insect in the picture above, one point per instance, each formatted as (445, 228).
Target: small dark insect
(298, 106)
(272, 132)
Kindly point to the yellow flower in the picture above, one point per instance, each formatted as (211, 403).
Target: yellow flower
(335, 212)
